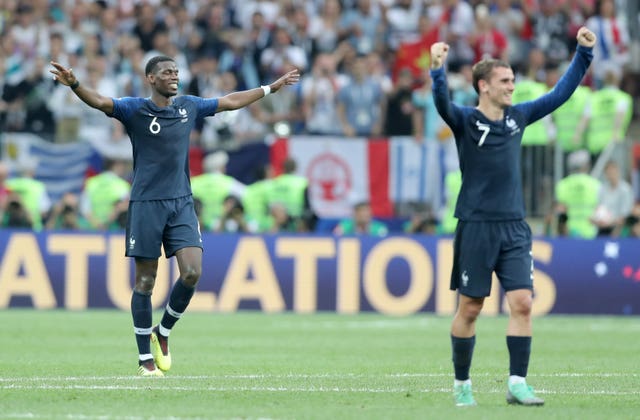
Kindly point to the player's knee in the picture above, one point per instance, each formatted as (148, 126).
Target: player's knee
(191, 275)
(145, 283)
(470, 310)
(521, 306)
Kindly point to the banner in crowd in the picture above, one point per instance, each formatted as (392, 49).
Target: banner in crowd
(62, 167)
(344, 171)
(396, 275)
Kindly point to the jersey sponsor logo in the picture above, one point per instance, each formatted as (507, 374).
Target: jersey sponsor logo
(465, 278)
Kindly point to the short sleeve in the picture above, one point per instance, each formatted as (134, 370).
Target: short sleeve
(124, 108)
(205, 107)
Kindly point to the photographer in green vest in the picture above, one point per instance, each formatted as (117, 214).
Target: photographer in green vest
(213, 186)
(577, 196)
(609, 111)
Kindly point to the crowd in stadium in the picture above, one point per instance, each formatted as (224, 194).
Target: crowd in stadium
(364, 66)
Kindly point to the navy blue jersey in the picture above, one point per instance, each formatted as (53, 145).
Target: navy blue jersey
(489, 151)
(160, 140)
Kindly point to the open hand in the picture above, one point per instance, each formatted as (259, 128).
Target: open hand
(62, 74)
(290, 78)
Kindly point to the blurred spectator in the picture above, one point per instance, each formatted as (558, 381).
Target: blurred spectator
(402, 19)
(400, 107)
(362, 26)
(212, 26)
(79, 122)
(577, 196)
(615, 202)
(280, 54)
(361, 223)
(15, 214)
(323, 27)
(448, 220)
(609, 112)
(281, 220)
(551, 31)
(238, 59)
(631, 228)
(510, 21)
(213, 186)
(611, 52)
(33, 193)
(455, 18)
(256, 199)
(319, 91)
(570, 119)
(65, 215)
(103, 192)
(464, 94)
(361, 103)
(27, 101)
(291, 191)
(4, 191)
(281, 113)
(147, 25)
(232, 219)
(535, 154)
(487, 40)
(422, 221)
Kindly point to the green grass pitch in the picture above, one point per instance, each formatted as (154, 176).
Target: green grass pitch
(249, 365)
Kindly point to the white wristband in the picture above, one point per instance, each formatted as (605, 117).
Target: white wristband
(266, 89)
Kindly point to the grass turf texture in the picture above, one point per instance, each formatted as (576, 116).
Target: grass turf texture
(81, 365)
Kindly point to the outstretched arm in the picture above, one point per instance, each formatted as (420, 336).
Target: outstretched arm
(448, 111)
(569, 81)
(88, 96)
(243, 98)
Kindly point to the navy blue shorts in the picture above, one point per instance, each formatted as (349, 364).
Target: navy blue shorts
(480, 248)
(152, 224)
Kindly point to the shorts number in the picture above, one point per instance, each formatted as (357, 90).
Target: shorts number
(154, 127)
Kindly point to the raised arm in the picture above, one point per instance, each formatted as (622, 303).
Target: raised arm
(569, 81)
(88, 96)
(243, 98)
(450, 113)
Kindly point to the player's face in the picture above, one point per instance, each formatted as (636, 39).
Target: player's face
(500, 86)
(165, 79)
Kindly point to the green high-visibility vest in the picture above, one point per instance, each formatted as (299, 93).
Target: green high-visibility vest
(528, 90)
(104, 191)
(604, 107)
(30, 191)
(256, 202)
(568, 116)
(288, 189)
(452, 183)
(579, 193)
(211, 189)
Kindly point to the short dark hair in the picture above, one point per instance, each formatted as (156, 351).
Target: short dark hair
(483, 68)
(152, 64)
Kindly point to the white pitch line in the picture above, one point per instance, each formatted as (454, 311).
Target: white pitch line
(158, 386)
(312, 376)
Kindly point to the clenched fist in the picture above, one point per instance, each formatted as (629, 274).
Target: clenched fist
(439, 52)
(585, 37)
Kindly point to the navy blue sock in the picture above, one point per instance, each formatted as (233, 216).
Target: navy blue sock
(462, 349)
(142, 317)
(519, 352)
(178, 302)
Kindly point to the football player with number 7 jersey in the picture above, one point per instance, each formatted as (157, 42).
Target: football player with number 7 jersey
(492, 234)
